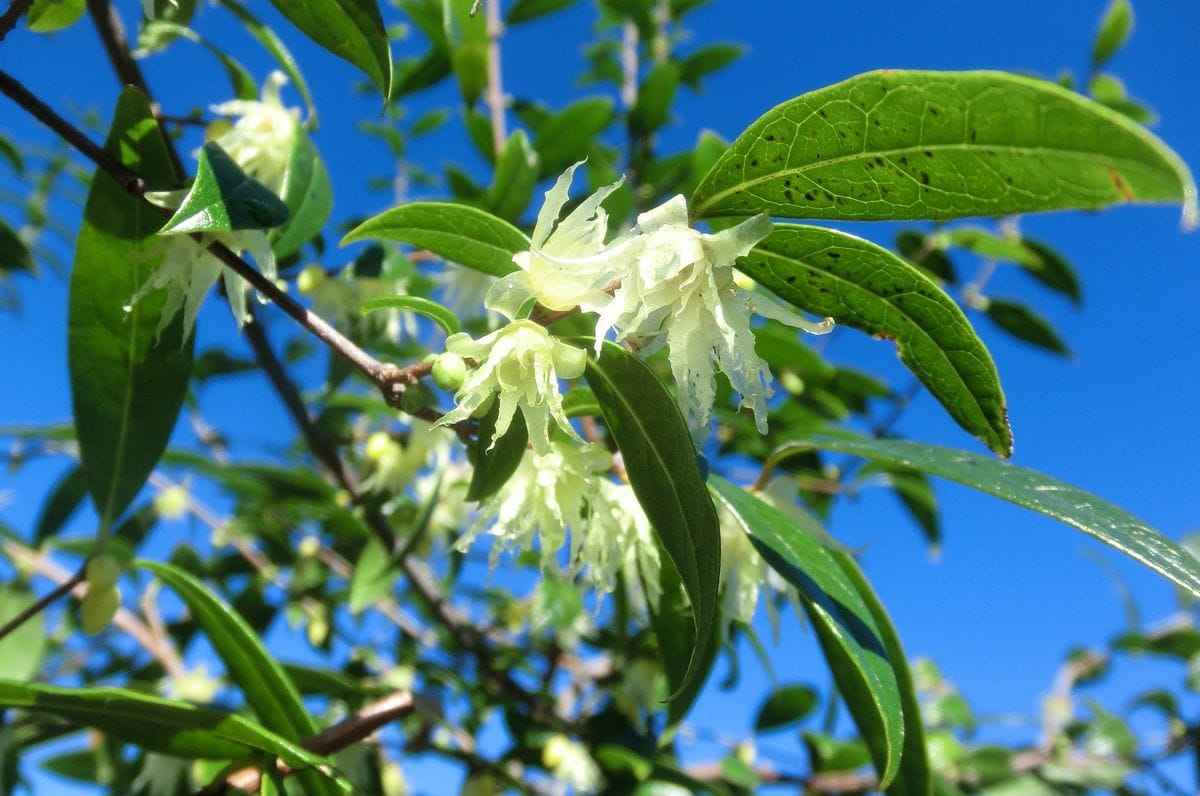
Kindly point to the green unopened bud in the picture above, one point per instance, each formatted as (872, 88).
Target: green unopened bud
(216, 129)
(311, 278)
(172, 503)
(102, 572)
(378, 445)
(318, 628)
(449, 372)
(411, 399)
(98, 608)
(309, 547)
(792, 382)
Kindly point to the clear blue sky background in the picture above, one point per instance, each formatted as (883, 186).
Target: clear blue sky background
(1011, 590)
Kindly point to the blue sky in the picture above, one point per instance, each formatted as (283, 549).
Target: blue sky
(1011, 591)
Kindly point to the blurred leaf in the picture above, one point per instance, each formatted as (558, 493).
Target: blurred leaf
(373, 575)
(580, 401)
(457, 233)
(515, 179)
(828, 754)
(654, 99)
(866, 287)
(1028, 488)
(63, 501)
(240, 80)
(786, 706)
(1054, 272)
(224, 199)
(851, 639)
(566, 137)
(1115, 27)
(706, 61)
(351, 29)
(47, 16)
(660, 460)
(1025, 324)
(308, 195)
(14, 254)
(430, 309)
(920, 250)
(22, 649)
(495, 463)
(127, 381)
(10, 153)
(939, 145)
(989, 245)
(526, 10)
(686, 665)
(277, 49)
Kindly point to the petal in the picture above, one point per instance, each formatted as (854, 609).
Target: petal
(556, 197)
(729, 244)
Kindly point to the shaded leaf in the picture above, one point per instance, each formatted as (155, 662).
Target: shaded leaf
(1025, 324)
(1115, 27)
(127, 384)
(457, 233)
(864, 286)
(1054, 272)
(374, 573)
(655, 97)
(566, 137)
(526, 10)
(60, 505)
(784, 707)
(22, 649)
(515, 180)
(224, 199)
(940, 145)
(274, 45)
(351, 29)
(430, 309)
(14, 254)
(706, 61)
(495, 464)
(1028, 488)
(308, 195)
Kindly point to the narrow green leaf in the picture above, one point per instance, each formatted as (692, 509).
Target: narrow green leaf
(1054, 272)
(430, 309)
(914, 776)
(22, 649)
(654, 100)
(373, 576)
(47, 16)
(157, 724)
(850, 637)
(527, 10)
(987, 244)
(706, 61)
(63, 501)
(566, 137)
(580, 401)
(308, 195)
(661, 462)
(12, 154)
(1115, 27)
(350, 29)
(278, 50)
(1025, 324)
(916, 494)
(867, 287)
(493, 468)
(14, 254)
(938, 145)
(784, 707)
(127, 386)
(515, 180)
(260, 678)
(224, 199)
(457, 233)
(240, 80)
(919, 250)
(1033, 490)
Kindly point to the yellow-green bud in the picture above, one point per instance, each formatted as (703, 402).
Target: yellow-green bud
(449, 372)
(216, 129)
(172, 503)
(311, 278)
(792, 382)
(102, 572)
(309, 546)
(378, 445)
(98, 608)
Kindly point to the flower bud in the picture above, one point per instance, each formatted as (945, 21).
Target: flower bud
(309, 546)
(102, 572)
(310, 279)
(379, 445)
(449, 372)
(98, 608)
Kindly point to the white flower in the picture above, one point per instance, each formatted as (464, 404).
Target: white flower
(570, 763)
(520, 364)
(680, 292)
(743, 570)
(619, 538)
(186, 270)
(568, 264)
(261, 139)
(464, 291)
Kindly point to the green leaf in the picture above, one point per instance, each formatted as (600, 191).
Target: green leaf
(566, 137)
(1115, 27)
(308, 195)
(278, 50)
(14, 254)
(661, 462)
(63, 501)
(430, 309)
(47, 16)
(12, 154)
(526, 10)
(986, 244)
(850, 637)
(1025, 324)
(240, 80)
(224, 199)
(916, 494)
(373, 576)
(493, 467)
(516, 177)
(706, 61)
(939, 145)
(914, 776)
(22, 649)
(786, 706)
(580, 401)
(157, 724)
(919, 250)
(457, 233)
(127, 386)
(1028, 488)
(350, 29)
(268, 690)
(1054, 272)
(655, 97)
(867, 287)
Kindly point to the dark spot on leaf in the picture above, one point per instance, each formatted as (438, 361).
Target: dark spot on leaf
(809, 196)
(933, 112)
(878, 160)
(754, 162)
(834, 255)
(925, 177)
(787, 194)
(928, 153)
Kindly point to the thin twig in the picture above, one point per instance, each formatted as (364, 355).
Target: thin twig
(495, 86)
(12, 16)
(61, 590)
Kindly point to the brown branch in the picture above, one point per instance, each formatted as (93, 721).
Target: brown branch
(12, 16)
(59, 591)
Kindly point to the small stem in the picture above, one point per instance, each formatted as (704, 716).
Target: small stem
(59, 591)
(495, 85)
(629, 65)
(12, 16)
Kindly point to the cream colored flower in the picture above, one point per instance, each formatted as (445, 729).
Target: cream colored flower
(520, 364)
(572, 765)
(680, 292)
(260, 141)
(568, 264)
